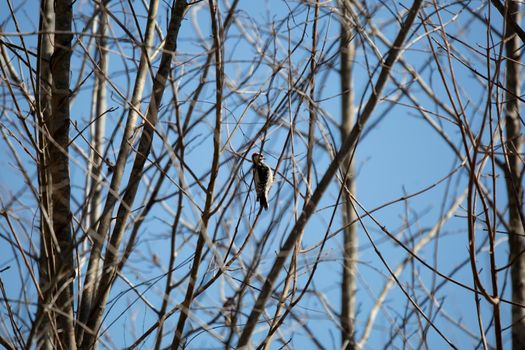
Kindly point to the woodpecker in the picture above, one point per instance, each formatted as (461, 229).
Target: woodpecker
(262, 178)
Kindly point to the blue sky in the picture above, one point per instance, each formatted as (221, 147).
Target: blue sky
(402, 154)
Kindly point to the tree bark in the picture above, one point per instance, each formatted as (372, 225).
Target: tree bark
(94, 178)
(348, 285)
(58, 128)
(99, 121)
(44, 334)
(513, 149)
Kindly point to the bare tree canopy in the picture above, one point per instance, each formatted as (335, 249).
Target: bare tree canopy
(261, 174)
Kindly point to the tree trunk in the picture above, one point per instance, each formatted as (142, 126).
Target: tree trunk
(44, 335)
(348, 287)
(513, 178)
(58, 128)
(94, 179)
(99, 121)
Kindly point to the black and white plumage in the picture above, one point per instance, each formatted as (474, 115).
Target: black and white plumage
(262, 178)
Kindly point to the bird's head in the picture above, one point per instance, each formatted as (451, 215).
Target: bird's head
(257, 157)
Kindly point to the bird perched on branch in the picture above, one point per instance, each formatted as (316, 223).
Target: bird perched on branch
(262, 178)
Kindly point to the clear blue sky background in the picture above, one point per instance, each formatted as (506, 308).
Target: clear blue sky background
(399, 156)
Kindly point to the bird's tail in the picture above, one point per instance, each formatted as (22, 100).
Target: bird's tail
(264, 202)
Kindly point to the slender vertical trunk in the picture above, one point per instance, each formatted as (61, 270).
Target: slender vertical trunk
(349, 236)
(58, 128)
(514, 187)
(99, 124)
(43, 112)
(97, 146)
